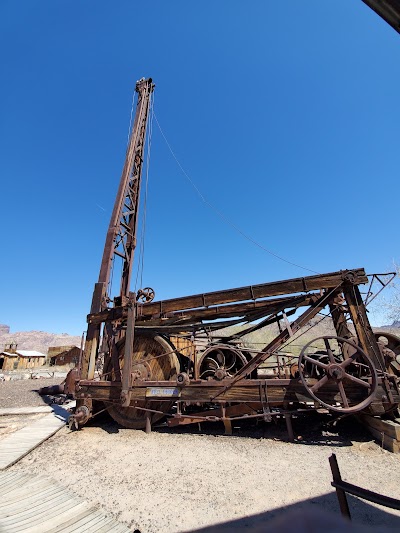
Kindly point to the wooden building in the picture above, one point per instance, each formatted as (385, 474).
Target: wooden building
(13, 359)
(63, 355)
(9, 358)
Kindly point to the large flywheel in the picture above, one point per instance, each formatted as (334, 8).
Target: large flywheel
(154, 359)
(341, 366)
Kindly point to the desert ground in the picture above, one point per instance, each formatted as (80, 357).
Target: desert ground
(191, 478)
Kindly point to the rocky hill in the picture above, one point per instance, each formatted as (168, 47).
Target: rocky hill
(317, 327)
(36, 340)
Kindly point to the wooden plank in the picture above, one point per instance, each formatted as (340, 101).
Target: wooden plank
(84, 523)
(211, 313)
(11, 411)
(278, 391)
(253, 292)
(388, 427)
(76, 518)
(34, 515)
(18, 493)
(50, 510)
(55, 523)
(392, 445)
(240, 294)
(362, 326)
(90, 523)
(18, 444)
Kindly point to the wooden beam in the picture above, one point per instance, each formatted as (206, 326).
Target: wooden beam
(362, 326)
(207, 304)
(254, 292)
(278, 391)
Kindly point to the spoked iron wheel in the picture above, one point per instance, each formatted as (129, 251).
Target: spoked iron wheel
(220, 361)
(154, 359)
(340, 372)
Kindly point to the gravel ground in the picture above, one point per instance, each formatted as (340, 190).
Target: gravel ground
(23, 392)
(182, 480)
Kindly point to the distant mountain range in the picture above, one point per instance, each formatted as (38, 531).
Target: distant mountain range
(396, 324)
(41, 340)
(36, 340)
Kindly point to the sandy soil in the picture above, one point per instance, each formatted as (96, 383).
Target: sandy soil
(183, 480)
(23, 392)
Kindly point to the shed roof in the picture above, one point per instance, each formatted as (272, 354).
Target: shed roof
(9, 354)
(30, 353)
(56, 350)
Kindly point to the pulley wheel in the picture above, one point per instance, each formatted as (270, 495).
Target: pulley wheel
(154, 358)
(340, 371)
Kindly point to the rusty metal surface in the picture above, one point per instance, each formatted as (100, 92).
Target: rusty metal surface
(145, 376)
(339, 369)
(389, 10)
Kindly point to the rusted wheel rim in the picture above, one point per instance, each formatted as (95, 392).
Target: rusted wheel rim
(336, 372)
(148, 351)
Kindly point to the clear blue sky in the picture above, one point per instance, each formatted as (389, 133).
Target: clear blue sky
(284, 114)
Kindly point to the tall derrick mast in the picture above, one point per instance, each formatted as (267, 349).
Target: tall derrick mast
(153, 367)
(122, 230)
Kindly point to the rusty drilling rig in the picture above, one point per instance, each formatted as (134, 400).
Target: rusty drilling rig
(153, 365)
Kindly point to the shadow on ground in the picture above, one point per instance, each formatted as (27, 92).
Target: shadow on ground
(314, 515)
(309, 429)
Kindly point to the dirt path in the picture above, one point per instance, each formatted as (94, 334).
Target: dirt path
(172, 482)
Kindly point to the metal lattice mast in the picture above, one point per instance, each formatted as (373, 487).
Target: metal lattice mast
(122, 230)
(121, 234)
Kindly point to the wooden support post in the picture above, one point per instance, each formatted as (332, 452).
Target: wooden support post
(289, 426)
(341, 494)
(148, 422)
(361, 323)
(126, 371)
(227, 426)
(226, 421)
(288, 420)
(113, 355)
(92, 336)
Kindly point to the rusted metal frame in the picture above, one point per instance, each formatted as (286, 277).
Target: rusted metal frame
(205, 418)
(264, 401)
(389, 10)
(267, 322)
(223, 411)
(130, 242)
(274, 345)
(99, 300)
(337, 311)
(384, 284)
(365, 334)
(212, 418)
(362, 326)
(189, 326)
(231, 310)
(127, 369)
(241, 294)
(131, 174)
(215, 312)
(132, 214)
(114, 355)
(178, 328)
